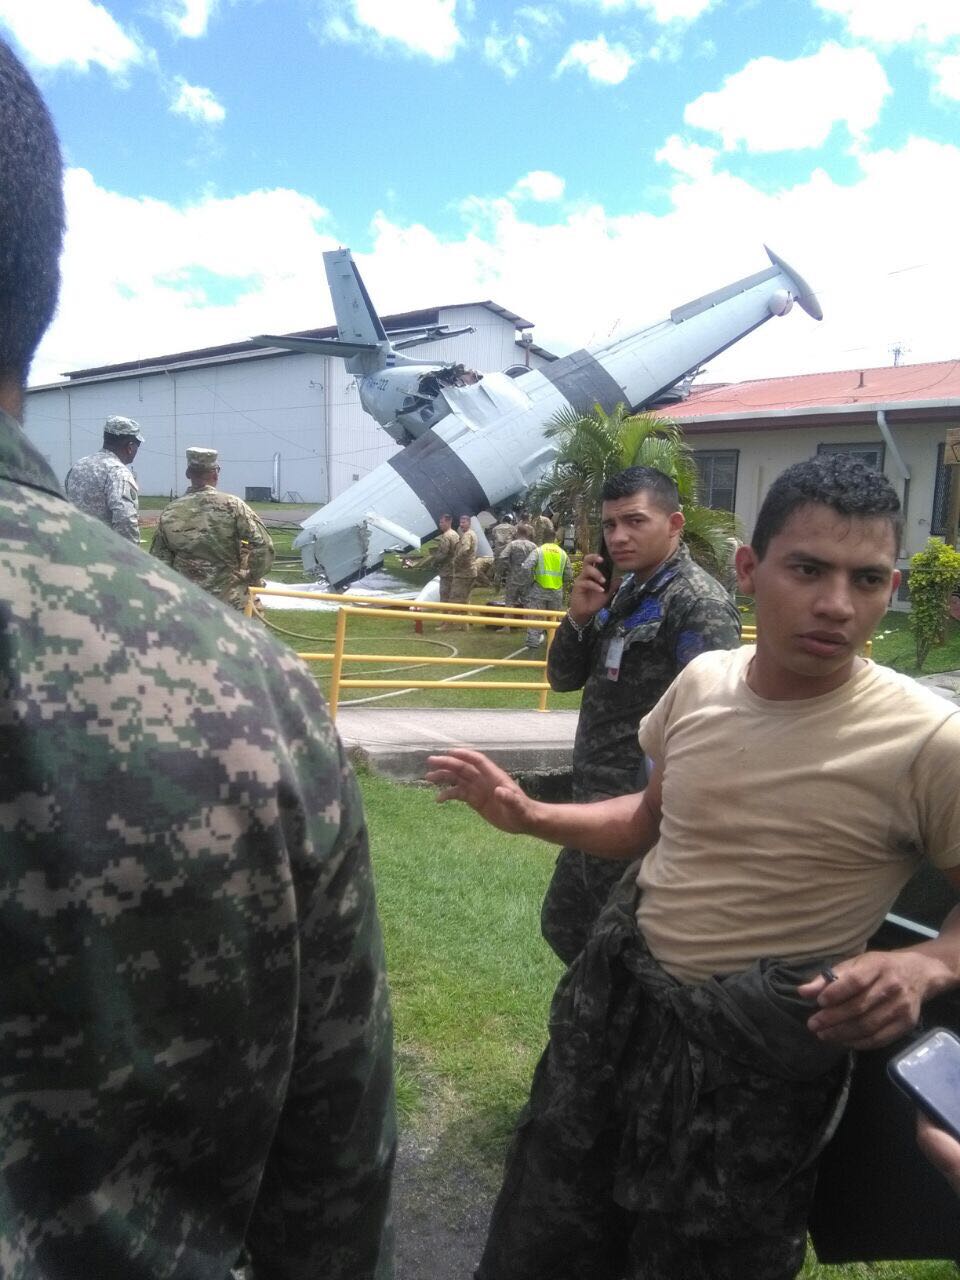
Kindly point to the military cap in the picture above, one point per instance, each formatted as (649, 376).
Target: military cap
(200, 457)
(116, 425)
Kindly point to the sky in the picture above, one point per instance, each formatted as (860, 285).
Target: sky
(589, 164)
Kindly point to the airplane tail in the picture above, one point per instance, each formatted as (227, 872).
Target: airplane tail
(357, 320)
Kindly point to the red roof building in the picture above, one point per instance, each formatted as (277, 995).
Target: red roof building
(745, 433)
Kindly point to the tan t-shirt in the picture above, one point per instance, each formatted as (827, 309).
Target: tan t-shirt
(790, 827)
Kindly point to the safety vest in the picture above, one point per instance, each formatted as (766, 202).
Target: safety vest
(549, 571)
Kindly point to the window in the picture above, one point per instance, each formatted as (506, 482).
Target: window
(871, 454)
(941, 498)
(718, 477)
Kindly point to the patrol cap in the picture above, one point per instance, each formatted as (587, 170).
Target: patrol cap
(116, 425)
(202, 458)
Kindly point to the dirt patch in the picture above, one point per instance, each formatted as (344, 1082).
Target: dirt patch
(440, 1213)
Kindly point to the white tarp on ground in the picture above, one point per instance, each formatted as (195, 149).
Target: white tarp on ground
(376, 584)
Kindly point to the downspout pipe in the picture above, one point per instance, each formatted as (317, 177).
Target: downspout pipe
(891, 444)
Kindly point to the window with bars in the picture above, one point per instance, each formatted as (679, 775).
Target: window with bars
(717, 469)
(871, 454)
(941, 497)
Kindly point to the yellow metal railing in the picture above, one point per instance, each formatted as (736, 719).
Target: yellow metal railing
(420, 610)
(471, 615)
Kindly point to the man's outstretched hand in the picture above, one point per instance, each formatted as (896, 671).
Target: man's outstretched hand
(469, 776)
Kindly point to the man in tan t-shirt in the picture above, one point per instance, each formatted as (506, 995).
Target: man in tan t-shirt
(699, 1044)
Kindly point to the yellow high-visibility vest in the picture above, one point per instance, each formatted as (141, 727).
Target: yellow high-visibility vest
(549, 570)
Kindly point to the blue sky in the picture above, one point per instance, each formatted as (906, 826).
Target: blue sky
(588, 163)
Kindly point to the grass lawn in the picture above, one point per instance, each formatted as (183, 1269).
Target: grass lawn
(472, 979)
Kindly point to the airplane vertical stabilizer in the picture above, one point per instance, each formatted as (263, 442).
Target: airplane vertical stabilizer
(357, 320)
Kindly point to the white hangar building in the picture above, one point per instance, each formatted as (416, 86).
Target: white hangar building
(286, 424)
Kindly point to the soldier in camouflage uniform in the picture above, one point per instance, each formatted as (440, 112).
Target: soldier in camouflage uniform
(441, 555)
(509, 566)
(194, 1020)
(464, 564)
(213, 538)
(503, 531)
(103, 485)
(510, 571)
(623, 649)
(543, 530)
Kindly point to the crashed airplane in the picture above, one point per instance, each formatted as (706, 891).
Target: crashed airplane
(474, 441)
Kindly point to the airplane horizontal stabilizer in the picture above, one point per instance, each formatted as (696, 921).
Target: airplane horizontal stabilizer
(315, 346)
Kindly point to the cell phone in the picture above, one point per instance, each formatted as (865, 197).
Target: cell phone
(928, 1072)
(606, 564)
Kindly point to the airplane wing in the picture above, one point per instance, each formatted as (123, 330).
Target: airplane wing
(315, 346)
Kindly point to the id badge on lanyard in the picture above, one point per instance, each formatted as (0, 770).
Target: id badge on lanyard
(614, 657)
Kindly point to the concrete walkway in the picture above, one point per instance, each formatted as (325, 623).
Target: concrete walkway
(397, 740)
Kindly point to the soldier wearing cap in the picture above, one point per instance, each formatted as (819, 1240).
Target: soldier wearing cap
(103, 485)
(213, 538)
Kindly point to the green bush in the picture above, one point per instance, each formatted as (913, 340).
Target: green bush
(934, 572)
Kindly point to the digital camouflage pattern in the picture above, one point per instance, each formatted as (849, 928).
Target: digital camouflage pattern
(105, 488)
(511, 572)
(216, 541)
(672, 1131)
(194, 1019)
(664, 623)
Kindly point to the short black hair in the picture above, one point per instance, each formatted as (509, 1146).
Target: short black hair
(662, 489)
(31, 217)
(839, 481)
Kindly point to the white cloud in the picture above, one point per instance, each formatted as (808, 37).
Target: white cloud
(189, 18)
(69, 33)
(142, 278)
(514, 50)
(947, 72)
(540, 185)
(896, 21)
(603, 62)
(688, 158)
(511, 53)
(776, 105)
(197, 103)
(426, 27)
(662, 11)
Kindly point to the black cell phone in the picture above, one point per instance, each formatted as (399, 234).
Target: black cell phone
(606, 564)
(928, 1072)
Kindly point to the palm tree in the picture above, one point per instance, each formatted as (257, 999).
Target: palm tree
(595, 446)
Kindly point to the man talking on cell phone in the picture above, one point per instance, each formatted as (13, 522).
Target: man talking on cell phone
(625, 637)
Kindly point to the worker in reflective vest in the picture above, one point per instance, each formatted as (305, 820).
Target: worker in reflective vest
(550, 570)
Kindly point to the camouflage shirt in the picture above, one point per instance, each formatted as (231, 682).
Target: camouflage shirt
(510, 563)
(679, 612)
(104, 487)
(500, 535)
(194, 1020)
(465, 556)
(442, 553)
(215, 540)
